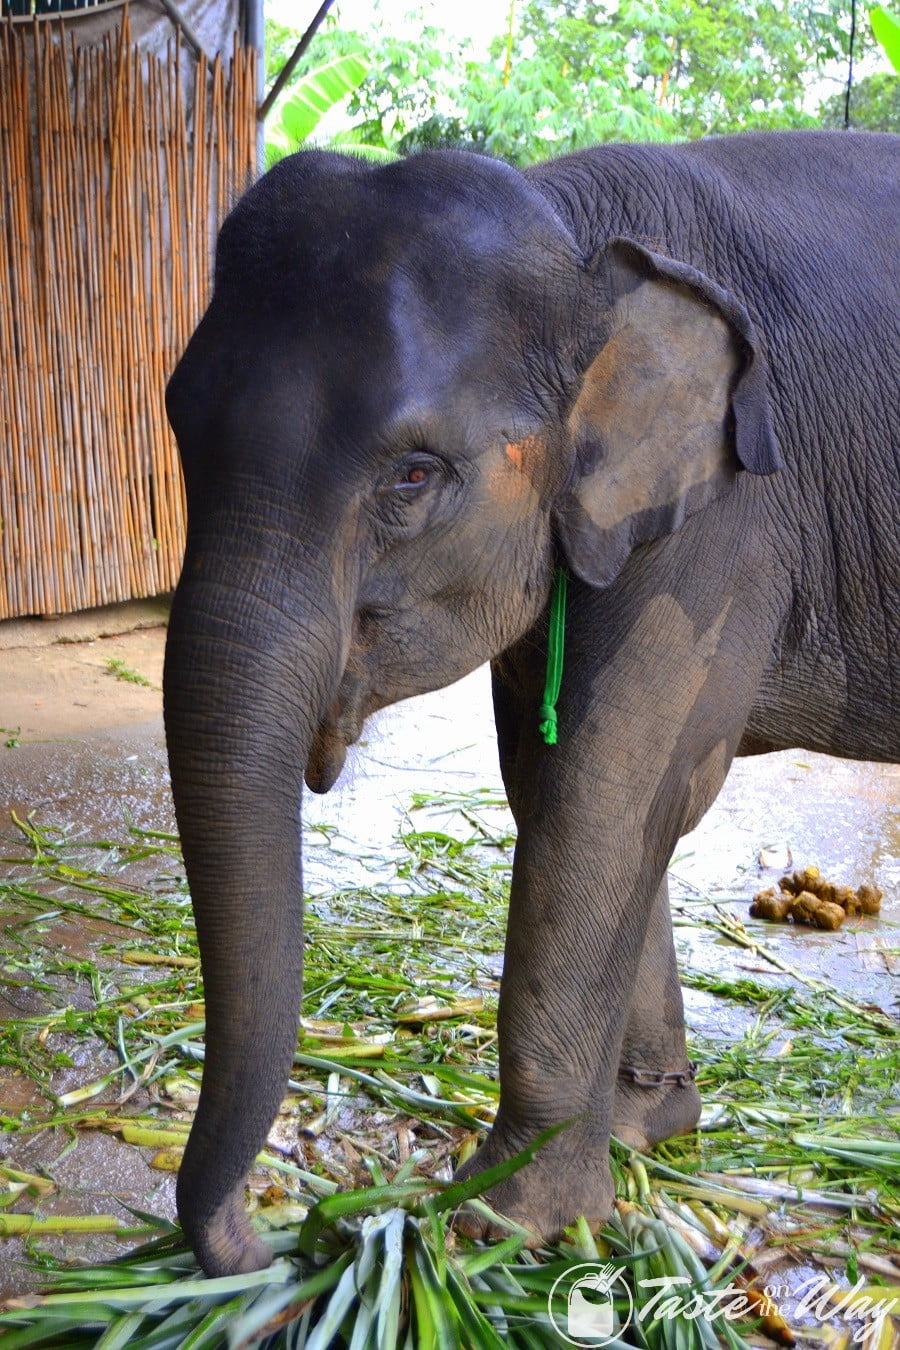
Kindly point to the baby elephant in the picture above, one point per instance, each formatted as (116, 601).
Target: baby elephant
(420, 392)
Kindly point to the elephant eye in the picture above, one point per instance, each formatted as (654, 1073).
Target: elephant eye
(412, 476)
(411, 487)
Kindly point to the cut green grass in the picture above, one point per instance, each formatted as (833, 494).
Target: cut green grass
(116, 667)
(392, 1275)
(395, 1076)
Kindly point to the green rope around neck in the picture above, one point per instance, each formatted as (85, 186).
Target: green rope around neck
(556, 640)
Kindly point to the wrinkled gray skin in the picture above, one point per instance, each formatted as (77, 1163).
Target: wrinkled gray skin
(673, 368)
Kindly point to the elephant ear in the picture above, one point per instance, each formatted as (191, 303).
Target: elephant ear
(670, 408)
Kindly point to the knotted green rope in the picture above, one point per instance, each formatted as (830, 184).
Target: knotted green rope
(556, 637)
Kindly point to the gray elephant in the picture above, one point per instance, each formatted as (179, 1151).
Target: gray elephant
(420, 390)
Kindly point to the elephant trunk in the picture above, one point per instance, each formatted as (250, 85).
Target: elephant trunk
(245, 688)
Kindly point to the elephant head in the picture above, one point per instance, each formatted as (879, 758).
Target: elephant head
(409, 396)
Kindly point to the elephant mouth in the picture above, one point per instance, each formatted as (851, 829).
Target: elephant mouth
(326, 761)
(341, 727)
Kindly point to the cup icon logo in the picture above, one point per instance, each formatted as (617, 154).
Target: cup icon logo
(581, 1304)
(590, 1317)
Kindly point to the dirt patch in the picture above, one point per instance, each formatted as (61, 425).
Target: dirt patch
(80, 674)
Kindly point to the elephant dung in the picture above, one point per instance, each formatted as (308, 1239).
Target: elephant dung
(806, 897)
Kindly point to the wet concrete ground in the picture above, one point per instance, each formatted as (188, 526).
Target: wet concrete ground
(774, 813)
(789, 807)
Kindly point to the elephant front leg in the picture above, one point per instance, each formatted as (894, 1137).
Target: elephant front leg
(655, 696)
(586, 942)
(568, 971)
(655, 1096)
(569, 967)
(559, 1061)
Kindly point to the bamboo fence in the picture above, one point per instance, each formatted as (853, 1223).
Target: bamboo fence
(111, 193)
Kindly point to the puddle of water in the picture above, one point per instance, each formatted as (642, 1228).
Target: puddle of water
(843, 816)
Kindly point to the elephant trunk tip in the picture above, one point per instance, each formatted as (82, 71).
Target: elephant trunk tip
(226, 1244)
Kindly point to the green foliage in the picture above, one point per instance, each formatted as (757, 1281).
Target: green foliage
(546, 107)
(441, 132)
(116, 667)
(409, 79)
(690, 67)
(315, 94)
(874, 105)
(384, 1278)
(319, 91)
(398, 90)
(570, 73)
(280, 44)
(886, 27)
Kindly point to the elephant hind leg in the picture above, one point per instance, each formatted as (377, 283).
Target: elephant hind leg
(645, 1109)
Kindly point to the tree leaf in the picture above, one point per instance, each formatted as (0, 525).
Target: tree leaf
(886, 27)
(318, 92)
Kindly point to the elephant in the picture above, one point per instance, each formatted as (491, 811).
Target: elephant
(421, 392)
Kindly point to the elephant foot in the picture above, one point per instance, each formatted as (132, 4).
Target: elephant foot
(546, 1196)
(651, 1106)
